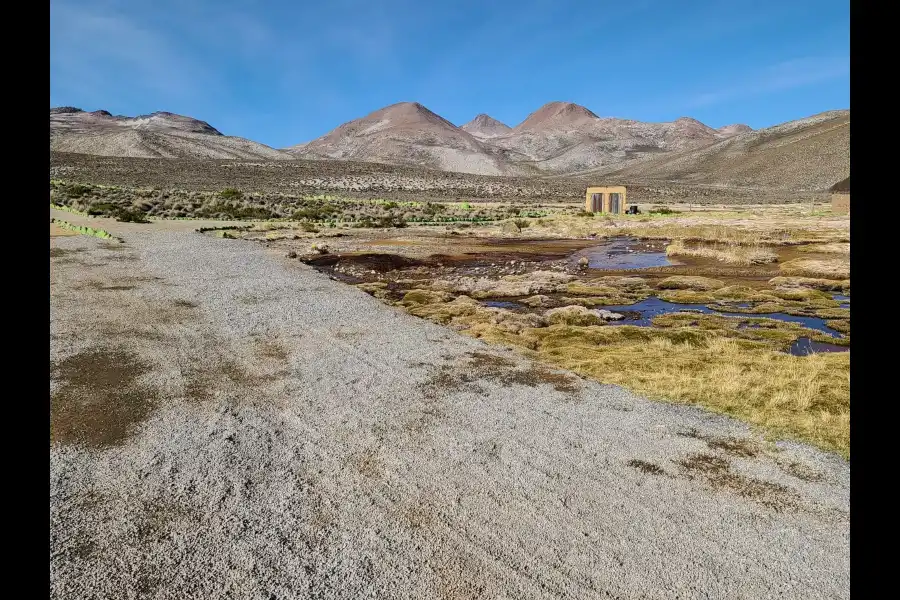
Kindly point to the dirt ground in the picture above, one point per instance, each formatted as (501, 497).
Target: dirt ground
(227, 422)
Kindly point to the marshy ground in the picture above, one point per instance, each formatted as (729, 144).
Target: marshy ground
(740, 311)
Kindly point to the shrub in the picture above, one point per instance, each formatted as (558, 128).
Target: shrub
(314, 213)
(521, 223)
(130, 216)
(308, 228)
(236, 212)
(585, 213)
(101, 208)
(231, 194)
(663, 210)
(76, 190)
(390, 221)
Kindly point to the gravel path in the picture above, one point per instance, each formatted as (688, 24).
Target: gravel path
(229, 423)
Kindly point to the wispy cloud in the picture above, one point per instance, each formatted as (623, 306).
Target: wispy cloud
(97, 54)
(787, 75)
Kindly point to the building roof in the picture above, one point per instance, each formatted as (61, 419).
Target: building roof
(842, 186)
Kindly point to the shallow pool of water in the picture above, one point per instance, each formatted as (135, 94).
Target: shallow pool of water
(844, 300)
(652, 307)
(501, 304)
(625, 253)
(804, 346)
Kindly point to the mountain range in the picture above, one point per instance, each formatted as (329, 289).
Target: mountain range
(558, 139)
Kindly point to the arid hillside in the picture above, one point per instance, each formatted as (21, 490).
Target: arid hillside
(808, 154)
(377, 180)
(558, 138)
(407, 133)
(161, 134)
(484, 126)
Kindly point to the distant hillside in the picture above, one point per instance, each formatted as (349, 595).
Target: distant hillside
(407, 133)
(558, 138)
(161, 134)
(484, 126)
(804, 155)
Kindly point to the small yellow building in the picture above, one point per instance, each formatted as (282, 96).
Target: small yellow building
(840, 197)
(605, 199)
(840, 203)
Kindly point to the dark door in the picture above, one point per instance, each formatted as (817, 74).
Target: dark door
(614, 203)
(596, 202)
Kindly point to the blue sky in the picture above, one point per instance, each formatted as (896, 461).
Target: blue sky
(282, 72)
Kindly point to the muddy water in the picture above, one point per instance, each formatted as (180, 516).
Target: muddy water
(643, 312)
(619, 254)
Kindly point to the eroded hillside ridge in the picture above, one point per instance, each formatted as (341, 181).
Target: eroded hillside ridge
(157, 135)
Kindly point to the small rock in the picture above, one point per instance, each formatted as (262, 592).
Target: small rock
(608, 315)
(292, 254)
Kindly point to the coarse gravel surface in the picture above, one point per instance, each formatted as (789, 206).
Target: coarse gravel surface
(229, 423)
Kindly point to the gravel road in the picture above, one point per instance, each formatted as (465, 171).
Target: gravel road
(230, 423)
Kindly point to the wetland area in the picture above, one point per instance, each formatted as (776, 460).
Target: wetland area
(746, 312)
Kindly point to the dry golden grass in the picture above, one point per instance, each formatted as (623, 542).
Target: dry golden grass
(835, 268)
(809, 282)
(736, 254)
(690, 282)
(708, 360)
(762, 226)
(805, 398)
(832, 248)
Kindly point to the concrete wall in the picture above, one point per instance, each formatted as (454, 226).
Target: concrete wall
(840, 203)
(606, 191)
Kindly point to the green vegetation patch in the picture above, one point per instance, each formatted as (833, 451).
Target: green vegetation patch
(97, 233)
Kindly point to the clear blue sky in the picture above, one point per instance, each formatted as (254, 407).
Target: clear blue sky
(283, 72)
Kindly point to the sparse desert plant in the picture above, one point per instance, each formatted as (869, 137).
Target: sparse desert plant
(77, 190)
(663, 210)
(390, 221)
(522, 223)
(310, 228)
(125, 215)
(101, 208)
(318, 212)
(231, 194)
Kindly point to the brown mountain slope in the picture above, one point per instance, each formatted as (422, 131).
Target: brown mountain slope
(735, 129)
(562, 137)
(161, 134)
(485, 126)
(407, 133)
(558, 138)
(803, 155)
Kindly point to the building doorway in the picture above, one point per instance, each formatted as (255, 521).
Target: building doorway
(614, 205)
(597, 203)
